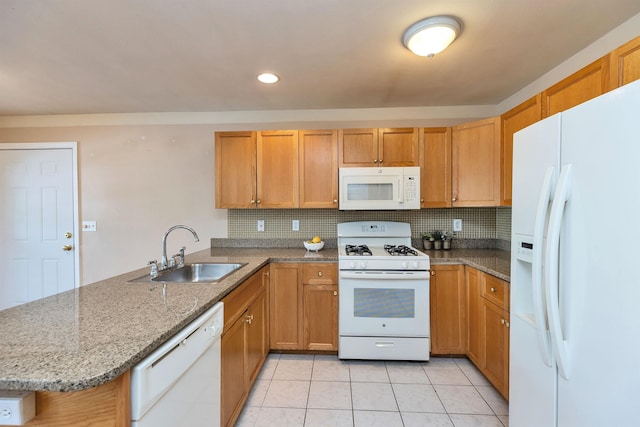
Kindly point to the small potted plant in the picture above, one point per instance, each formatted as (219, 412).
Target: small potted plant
(446, 240)
(437, 239)
(427, 240)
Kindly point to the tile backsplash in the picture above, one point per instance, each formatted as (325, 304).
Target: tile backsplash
(477, 223)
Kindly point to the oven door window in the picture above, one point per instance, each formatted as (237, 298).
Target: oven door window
(384, 303)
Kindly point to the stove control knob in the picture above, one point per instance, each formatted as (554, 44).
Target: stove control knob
(363, 264)
(405, 265)
(414, 265)
(352, 265)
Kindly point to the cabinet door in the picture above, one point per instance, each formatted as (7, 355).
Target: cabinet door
(476, 163)
(448, 310)
(398, 147)
(233, 368)
(318, 169)
(235, 169)
(496, 365)
(321, 317)
(285, 307)
(474, 314)
(588, 83)
(277, 169)
(625, 64)
(514, 120)
(358, 147)
(257, 344)
(435, 170)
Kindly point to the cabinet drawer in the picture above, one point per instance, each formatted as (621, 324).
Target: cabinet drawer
(496, 291)
(239, 299)
(320, 274)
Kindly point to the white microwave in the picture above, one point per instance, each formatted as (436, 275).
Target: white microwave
(379, 188)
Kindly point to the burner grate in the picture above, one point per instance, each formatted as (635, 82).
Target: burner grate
(358, 250)
(400, 250)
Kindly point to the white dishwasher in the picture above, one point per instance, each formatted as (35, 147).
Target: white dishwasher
(179, 383)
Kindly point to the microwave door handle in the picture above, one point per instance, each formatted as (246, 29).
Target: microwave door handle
(400, 190)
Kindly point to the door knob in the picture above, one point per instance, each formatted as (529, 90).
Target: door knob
(68, 235)
(67, 248)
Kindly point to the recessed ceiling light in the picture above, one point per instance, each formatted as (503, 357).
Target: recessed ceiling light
(432, 35)
(268, 78)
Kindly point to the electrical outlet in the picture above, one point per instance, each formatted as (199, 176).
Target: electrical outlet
(261, 225)
(457, 225)
(17, 407)
(295, 225)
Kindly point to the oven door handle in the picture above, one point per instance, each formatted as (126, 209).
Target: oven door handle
(384, 275)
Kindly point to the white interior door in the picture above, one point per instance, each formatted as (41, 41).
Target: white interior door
(38, 221)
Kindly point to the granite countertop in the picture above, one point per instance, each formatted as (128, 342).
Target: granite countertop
(88, 336)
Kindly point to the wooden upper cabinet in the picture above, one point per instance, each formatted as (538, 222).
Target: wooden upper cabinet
(435, 168)
(590, 82)
(277, 169)
(625, 63)
(378, 147)
(514, 120)
(358, 147)
(235, 169)
(318, 162)
(475, 161)
(398, 147)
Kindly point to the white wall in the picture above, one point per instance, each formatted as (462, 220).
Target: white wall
(136, 182)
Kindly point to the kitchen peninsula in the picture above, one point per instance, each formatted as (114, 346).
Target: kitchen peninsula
(87, 339)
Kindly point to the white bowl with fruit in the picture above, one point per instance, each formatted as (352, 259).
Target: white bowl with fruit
(314, 244)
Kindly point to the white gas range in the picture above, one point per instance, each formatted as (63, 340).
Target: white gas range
(384, 292)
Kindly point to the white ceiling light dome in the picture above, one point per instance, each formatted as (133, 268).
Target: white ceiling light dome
(431, 36)
(268, 78)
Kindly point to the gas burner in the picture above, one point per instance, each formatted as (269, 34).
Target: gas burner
(358, 250)
(400, 250)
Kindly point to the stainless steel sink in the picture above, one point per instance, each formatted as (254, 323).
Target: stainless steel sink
(195, 273)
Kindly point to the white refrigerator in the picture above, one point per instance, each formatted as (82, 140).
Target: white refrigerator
(575, 267)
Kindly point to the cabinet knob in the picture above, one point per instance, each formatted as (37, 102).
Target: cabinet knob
(380, 161)
(433, 273)
(454, 199)
(375, 161)
(319, 273)
(335, 293)
(253, 201)
(502, 321)
(507, 324)
(335, 200)
(258, 202)
(493, 289)
(421, 200)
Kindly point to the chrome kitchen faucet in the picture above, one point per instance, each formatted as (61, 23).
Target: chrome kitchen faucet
(164, 263)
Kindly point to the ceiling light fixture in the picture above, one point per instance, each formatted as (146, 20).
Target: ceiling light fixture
(268, 78)
(432, 35)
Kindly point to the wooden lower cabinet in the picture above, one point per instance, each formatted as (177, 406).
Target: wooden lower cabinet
(448, 310)
(320, 311)
(285, 307)
(304, 306)
(107, 405)
(488, 334)
(245, 343)
(474, 331)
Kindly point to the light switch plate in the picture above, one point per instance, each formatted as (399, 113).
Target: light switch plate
(457, 225)
(260, 225)
(89, 226)
(295, 225)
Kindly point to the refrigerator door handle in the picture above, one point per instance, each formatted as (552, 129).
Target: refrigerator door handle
(559, 344)
(539, 314)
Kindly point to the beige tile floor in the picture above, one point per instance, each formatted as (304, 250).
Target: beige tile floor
(308, 390)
